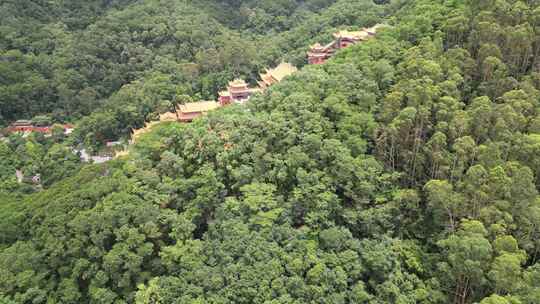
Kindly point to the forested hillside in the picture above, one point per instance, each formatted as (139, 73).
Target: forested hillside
(404, 170)
(122, 60)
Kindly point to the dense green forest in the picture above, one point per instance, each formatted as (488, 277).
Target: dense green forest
(121, 61)
(404, 170)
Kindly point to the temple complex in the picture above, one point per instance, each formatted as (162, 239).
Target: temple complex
(237, 91)
(26, 126)
(275, 75)
(21, 126)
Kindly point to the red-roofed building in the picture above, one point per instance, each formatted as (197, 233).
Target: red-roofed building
(26, 126)
(318, 54)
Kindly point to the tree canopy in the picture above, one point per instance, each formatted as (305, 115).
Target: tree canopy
(403, 170)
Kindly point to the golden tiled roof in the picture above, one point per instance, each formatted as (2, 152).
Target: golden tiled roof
(329, 46)
(237, 83)
(357, 35)
(283, 70)
(169, 116)
(316, 46)
(201, 106)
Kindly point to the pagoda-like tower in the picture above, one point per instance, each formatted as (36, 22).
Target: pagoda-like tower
(237, 91)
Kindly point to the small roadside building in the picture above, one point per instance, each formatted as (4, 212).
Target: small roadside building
(68, 129)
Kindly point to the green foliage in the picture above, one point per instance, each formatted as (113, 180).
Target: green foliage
(76, 63)
(23, 158)
(404, 170)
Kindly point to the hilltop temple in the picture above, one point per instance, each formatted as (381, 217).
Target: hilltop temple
(345, 39)
(189, 111)
(237, 91)
(318, 54)
(275, 75)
